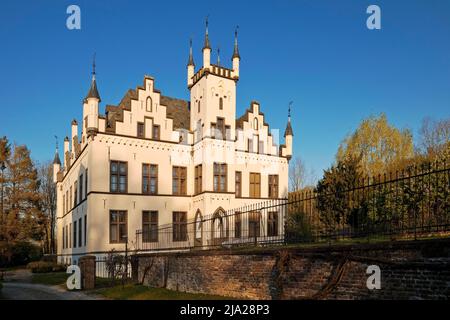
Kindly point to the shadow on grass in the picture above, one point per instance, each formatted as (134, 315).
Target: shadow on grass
(141, 292)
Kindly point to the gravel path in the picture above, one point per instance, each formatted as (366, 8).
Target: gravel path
(28, 291)
(17, 286)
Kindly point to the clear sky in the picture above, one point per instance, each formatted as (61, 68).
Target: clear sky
(317, 53)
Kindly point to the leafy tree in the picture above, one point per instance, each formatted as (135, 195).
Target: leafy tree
(381, 146)
(23, 217)
(333, 201)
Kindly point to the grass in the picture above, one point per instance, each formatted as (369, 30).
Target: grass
(50, 278)
(140, 292)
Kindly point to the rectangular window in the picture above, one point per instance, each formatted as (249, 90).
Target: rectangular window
(67, 201)
(155, 133)
(150, 226)
(75, 195)
(64, 203)
(273, 186)
(254, 219)
(68, 228)
(220, 177)
(179, 226)
(80, 185)
(85, 230)
(198, 179)
(255, 185)
(238, 184)
(213, 130)
(80, 234)
(256, 139)
(86, 183)
(221, 128)
(70, 202)
(140, 130)
(118, 176)
(118, 232)
(75, 234)
(272, 224)
(250, 145)
(261, 147)
(237, 225)
(149, 178)
(64, 237)
(179, 180)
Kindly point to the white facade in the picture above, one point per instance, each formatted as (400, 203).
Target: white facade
(148, 128)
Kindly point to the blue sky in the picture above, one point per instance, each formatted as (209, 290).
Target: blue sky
(317, 53)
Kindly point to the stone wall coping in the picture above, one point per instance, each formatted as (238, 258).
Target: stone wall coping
(443, 244)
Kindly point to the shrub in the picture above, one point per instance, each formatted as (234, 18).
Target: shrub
(18, 253)
(40, 266)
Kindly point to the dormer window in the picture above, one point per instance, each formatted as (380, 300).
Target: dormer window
(220, 103)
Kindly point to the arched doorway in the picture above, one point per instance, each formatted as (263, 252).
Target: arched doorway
(198, 232)
(219, 227)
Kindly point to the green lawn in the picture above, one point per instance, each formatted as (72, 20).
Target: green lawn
(140, 292)
(50, 278)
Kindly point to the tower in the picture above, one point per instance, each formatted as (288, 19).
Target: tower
(56, 164)
(190, 66)
(213, 94)
(90, 107)
(236, 58)
(288, 134)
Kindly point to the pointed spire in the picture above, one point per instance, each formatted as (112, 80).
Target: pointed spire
(236, 49)
(207, 44)
(191, 58)
(218, 56)
(288, 131)
(56, 159)
(93, 92)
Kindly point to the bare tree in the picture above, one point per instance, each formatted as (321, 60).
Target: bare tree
(299, 176)
(48, 204)
(434, 136)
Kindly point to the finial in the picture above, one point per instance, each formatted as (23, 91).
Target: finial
(236, 49)
(93, 65)
(56, 142)
(289, 110)
(191, 59)
(207, 44)
(218, 56)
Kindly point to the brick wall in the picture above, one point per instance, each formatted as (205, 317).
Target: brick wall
(409, 270)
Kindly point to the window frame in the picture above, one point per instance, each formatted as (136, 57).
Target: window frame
(221, 173)
(158, 131)
(148, 237)
(150, 176)
(118, 174)
(198, 183)
(272, 223)
(140, 130)
(273, 186)
(117, 225)
(254, 183)
(238, 182)
(179, 226)
(181, 179)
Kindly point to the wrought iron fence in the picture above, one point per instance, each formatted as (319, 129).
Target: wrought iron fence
(113, 267)
(410, 203)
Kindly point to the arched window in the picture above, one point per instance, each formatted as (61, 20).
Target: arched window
(198, 228)
(219, 228)
(255, 124)
(149, 104)
(198, 106)
(220, 103)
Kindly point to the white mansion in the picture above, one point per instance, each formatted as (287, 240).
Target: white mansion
(153, 160)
